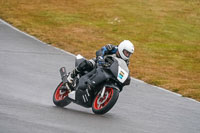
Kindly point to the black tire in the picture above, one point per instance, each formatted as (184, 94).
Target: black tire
(60, 100)
(107, 103)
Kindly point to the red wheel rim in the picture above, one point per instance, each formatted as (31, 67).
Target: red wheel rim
(58, 96)
(106, 99)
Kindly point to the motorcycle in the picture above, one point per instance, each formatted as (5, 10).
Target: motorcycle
(98, 88)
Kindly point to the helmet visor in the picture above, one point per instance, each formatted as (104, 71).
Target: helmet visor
(127, 53)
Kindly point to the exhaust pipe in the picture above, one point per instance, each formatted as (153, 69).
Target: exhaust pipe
(63, 74)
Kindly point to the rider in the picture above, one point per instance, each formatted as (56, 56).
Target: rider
(124, 50)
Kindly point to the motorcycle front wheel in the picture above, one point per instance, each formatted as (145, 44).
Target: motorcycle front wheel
(59, 99)
(102, 105)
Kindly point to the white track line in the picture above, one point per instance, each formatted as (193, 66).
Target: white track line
(34, 37)
(157, 87)
(75, 55)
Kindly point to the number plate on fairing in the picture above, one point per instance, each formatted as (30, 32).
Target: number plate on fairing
(122, 75)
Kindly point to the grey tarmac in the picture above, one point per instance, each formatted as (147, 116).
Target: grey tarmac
(29, 74)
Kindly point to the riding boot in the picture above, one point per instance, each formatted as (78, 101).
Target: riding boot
(72, 75)
(69, 81)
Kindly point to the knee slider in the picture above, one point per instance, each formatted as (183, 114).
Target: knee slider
(85, 65)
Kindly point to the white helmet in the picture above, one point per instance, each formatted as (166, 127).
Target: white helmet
(125, 49)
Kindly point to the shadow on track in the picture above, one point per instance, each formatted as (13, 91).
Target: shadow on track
(71, 111)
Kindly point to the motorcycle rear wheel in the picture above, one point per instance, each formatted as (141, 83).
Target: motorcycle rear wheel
(103, 105)
(60, 100)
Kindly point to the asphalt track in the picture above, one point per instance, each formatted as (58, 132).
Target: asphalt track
(29, 74)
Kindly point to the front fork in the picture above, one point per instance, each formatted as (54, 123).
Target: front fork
(103, 91)
(104, 88)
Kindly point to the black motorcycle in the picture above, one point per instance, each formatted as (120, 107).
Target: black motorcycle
(98, 88)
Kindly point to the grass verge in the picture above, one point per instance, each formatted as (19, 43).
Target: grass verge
(166, 34)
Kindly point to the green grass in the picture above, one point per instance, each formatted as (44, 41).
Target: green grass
(166, 33)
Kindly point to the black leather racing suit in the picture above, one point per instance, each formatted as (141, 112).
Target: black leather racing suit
(88, 65)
